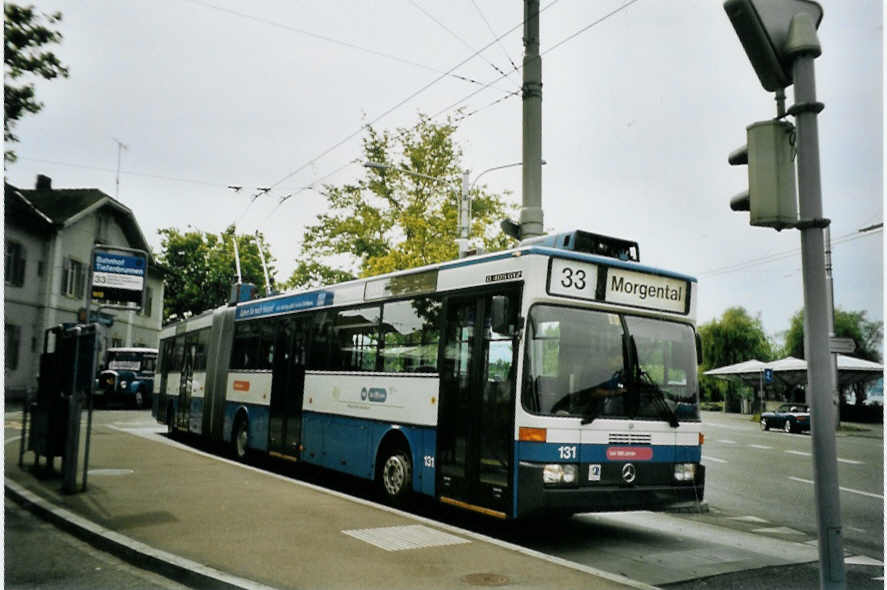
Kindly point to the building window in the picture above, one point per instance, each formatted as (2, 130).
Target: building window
(13, 337)
(14, 267)
(73, 278)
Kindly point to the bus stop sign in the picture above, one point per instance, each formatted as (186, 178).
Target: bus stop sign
(118, 278)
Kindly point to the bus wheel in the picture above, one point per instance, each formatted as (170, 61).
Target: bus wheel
(396, 476)
(140, 400)
(239, 439)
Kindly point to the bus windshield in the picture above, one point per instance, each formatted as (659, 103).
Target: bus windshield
(592, 364)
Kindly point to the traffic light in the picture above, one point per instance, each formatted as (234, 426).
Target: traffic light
(771, 198)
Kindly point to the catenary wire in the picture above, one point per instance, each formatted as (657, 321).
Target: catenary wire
(327, 39)
(399, 104)
(549, 50)
(455, 35)
(490, 28)
(740, 266)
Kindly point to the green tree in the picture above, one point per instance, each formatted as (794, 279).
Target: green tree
(848, 324)
(734, 338)
(24, 38)
(200, 268)
(392, 220)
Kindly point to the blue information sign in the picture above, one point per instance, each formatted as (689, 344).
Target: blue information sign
(118, 278)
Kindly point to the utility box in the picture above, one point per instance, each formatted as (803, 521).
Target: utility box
(773, 198)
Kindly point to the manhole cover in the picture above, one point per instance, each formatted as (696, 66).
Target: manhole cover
(485, 579)
(109, 472)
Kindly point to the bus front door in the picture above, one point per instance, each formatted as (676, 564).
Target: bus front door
(287, 389)
(475, 432)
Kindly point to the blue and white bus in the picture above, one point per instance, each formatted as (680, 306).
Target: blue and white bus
(557, 377)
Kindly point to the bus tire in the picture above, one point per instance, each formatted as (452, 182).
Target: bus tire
(240, 438)
(139, 399)
(396, 476)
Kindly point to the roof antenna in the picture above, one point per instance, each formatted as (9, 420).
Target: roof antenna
(120, 147)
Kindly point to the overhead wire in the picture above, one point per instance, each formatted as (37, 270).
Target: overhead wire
(490, 28)
(399, 104)
(292, 29)
(549, 50)
(777, 256)
(455, 35)
(125, 172)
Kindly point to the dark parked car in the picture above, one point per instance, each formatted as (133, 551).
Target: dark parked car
(789, 417)
(128, 377)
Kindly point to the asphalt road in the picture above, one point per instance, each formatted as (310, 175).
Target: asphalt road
(38, 555)
(769, 475)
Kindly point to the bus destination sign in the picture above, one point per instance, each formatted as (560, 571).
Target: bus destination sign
(118, 278)
(646, 290)
(573, 278)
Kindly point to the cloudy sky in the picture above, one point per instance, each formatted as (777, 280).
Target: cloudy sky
(642, 102)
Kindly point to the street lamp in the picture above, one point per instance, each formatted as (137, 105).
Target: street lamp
(464, 227)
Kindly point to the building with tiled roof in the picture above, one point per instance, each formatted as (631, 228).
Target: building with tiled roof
(49, 236)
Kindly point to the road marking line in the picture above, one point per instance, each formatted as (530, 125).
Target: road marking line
(715, 459)
(726, 442)
(780, 530)
(863, 560)
(840, 460)
(9, 440)
(748, 519)
(843, 489)
(765, 447)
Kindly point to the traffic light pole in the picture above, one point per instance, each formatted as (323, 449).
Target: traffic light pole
(803, 47)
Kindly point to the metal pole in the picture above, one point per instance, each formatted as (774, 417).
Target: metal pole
(69, 464)
(264, 266)
(237, 257)
(92, 367)
(803, 46)
(531, 211)
(831, 321)
(464, 215)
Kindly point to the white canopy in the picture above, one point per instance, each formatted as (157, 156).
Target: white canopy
(793, 371)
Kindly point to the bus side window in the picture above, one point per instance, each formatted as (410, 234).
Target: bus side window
(356, 342)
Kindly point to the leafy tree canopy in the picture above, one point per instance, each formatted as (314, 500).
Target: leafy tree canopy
(392, 220)
(734, 338)
(848, 324)
(200, 268)
(24, 38)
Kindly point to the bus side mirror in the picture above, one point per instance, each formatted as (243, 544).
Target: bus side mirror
(698, 349)
(500, 314)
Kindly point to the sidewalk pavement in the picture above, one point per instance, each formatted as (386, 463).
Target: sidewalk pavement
(211, 523)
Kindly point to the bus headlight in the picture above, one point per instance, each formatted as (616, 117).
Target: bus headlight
(554, 474)
(685, 471)
(123, 385)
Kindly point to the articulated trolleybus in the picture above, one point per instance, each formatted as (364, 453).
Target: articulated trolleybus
(557, 377)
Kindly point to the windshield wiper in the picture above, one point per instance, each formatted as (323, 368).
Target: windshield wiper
(658, 396)
(642, 380)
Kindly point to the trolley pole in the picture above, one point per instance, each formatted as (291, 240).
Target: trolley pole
(803, 47)
(531, 210)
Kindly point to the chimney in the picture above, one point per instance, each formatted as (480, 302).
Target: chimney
(44, 183)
